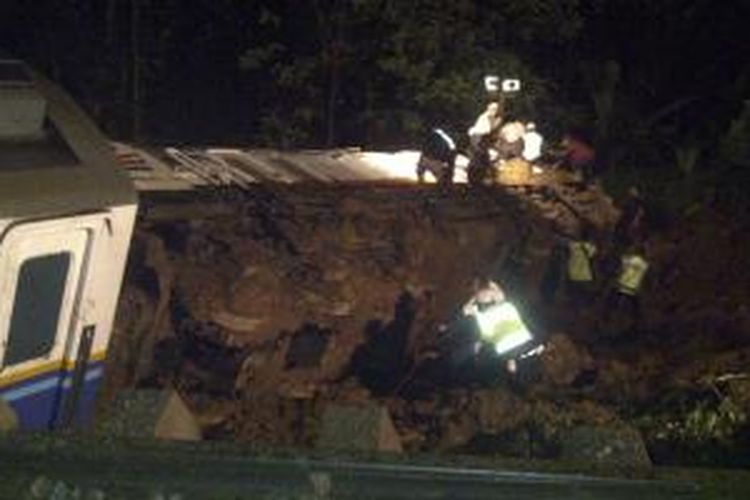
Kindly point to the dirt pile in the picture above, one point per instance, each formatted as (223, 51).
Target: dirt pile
(265, 309)
(291, 294)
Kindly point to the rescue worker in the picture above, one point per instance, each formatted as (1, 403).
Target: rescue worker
(481, 136)
(487, 293)
(580, 269)
(498, 322)
(486, 124)
(438, 156)
(511, 140)
(625, 295)
(532, 143)
(579, 155)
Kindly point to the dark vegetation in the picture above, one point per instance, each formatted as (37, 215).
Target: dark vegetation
(658, 86)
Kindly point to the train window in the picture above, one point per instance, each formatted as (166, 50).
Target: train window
(36, 311)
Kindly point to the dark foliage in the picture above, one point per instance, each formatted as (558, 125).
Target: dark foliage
(654, 84)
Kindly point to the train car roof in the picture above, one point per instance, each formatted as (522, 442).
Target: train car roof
(53, 158)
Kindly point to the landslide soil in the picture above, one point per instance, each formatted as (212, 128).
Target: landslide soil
(264, 307)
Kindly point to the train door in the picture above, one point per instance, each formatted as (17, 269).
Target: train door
(43, 266)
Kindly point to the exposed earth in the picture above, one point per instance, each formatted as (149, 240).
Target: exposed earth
(265, 309)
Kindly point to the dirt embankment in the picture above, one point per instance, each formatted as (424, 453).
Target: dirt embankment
(266, 309)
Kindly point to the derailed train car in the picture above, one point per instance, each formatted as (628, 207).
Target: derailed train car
(66, 219)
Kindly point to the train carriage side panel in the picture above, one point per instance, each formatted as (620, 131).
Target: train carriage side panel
(66, 219)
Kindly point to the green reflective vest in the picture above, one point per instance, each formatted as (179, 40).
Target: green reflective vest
(579, 260)
(633, 269)
(502, 326)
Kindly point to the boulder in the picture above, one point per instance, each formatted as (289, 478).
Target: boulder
(160, 414)
(457, 431)
(618, 445)
(563, 360)
(497, 410)
(350, 391)
(425, 408)
(364, 427)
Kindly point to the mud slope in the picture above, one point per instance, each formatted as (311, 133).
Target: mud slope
(266, 308)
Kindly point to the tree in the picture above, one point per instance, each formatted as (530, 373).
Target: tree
(382, 69)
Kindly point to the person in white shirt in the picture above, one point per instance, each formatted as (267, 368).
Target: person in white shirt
(481, 139)
(486, 123)
(532, 143)
(511, 140)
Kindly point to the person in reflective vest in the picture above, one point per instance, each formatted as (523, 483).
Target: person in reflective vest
(629, 281)
(633, 270)
(501, 327)
(498, 321)
(580, 272)
(487, 293)
(438, 156)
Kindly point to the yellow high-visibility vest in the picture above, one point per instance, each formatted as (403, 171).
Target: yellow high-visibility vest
(579, 260)
(502, 326)
(633, 269)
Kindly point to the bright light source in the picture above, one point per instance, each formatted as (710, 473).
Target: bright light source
(402, 165)
(491, 83)
(511, 85)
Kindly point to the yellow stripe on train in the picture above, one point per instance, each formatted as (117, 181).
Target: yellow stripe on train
(44, 367)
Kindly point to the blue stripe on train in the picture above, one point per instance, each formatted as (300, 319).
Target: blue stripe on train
(37, 401)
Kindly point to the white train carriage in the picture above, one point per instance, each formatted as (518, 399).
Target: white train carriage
(66, 219)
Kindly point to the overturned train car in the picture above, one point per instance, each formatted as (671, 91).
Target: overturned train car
(66, 219)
